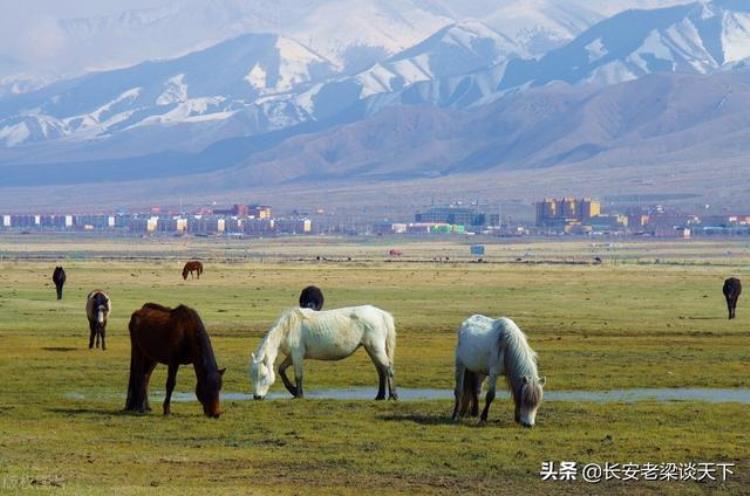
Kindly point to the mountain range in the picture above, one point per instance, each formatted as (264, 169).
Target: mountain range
(470, 100)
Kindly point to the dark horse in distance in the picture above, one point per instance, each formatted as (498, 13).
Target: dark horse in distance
(311, 297)
(190, 267)
(174, 337)
(98, 307)
(58, 277)
(732, 290)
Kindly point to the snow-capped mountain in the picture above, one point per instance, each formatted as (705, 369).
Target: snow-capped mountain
(260, 83)
(353, 34)
(251, 84)
(699, 37)
(467, 48)
(220, 87)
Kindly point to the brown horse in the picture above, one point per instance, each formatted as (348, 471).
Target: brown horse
(174, 337)
(732, 290)
(190, 267)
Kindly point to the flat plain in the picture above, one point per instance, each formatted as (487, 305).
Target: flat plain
(651, 315)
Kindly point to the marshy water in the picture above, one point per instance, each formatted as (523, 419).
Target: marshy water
(411, 394)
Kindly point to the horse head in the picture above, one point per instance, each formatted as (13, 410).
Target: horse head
(207, 392)
(528, 399)
(102, 308)
(262, 376)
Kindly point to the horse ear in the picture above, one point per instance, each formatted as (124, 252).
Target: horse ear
(543, 381)
(221, 371)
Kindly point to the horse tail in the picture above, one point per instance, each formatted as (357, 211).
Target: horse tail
(132, 324)
(390, 337)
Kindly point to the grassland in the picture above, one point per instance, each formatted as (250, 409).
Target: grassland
(652, 315)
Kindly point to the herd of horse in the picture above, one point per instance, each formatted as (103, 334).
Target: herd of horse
(486, 350)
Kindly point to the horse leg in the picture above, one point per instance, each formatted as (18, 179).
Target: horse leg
(133, 379)
(458, 392)
(468, 392)
(734, 307)
(391, 378)
(92, 330)
(729, 306)
(490, 396)
(475, 391)
(385, 362)
(381, 375)
(149, 366)
(298, 372)
(282, 372)
(103, 333)
(171, 381)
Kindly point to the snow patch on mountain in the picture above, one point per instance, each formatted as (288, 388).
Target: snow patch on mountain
(596, 50)
(257, 77)
(295, 62)
(176, 91)
(735, 36)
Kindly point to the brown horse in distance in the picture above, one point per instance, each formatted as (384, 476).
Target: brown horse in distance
(732, 290)
(190, 267)
(173, 337)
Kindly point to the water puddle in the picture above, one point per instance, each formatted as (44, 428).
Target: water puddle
(411, 394)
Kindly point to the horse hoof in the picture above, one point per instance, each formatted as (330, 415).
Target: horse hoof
(379, 398)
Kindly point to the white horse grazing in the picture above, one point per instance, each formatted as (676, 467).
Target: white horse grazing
(488, 348)
(325, 335)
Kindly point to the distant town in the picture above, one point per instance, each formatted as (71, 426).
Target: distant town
(566, 216)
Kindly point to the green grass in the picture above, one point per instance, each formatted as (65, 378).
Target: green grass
(620, 325)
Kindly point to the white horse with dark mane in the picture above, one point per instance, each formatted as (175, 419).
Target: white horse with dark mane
(325, 335)
(488, 348)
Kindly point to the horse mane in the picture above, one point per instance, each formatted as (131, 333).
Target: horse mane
(189, 319)
(284, 324)
(156, 306)
(518, 357)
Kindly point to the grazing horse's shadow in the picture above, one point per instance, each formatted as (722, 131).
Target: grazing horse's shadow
(59, 348)
(418, 418)
(90, 411)
(442, 420)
